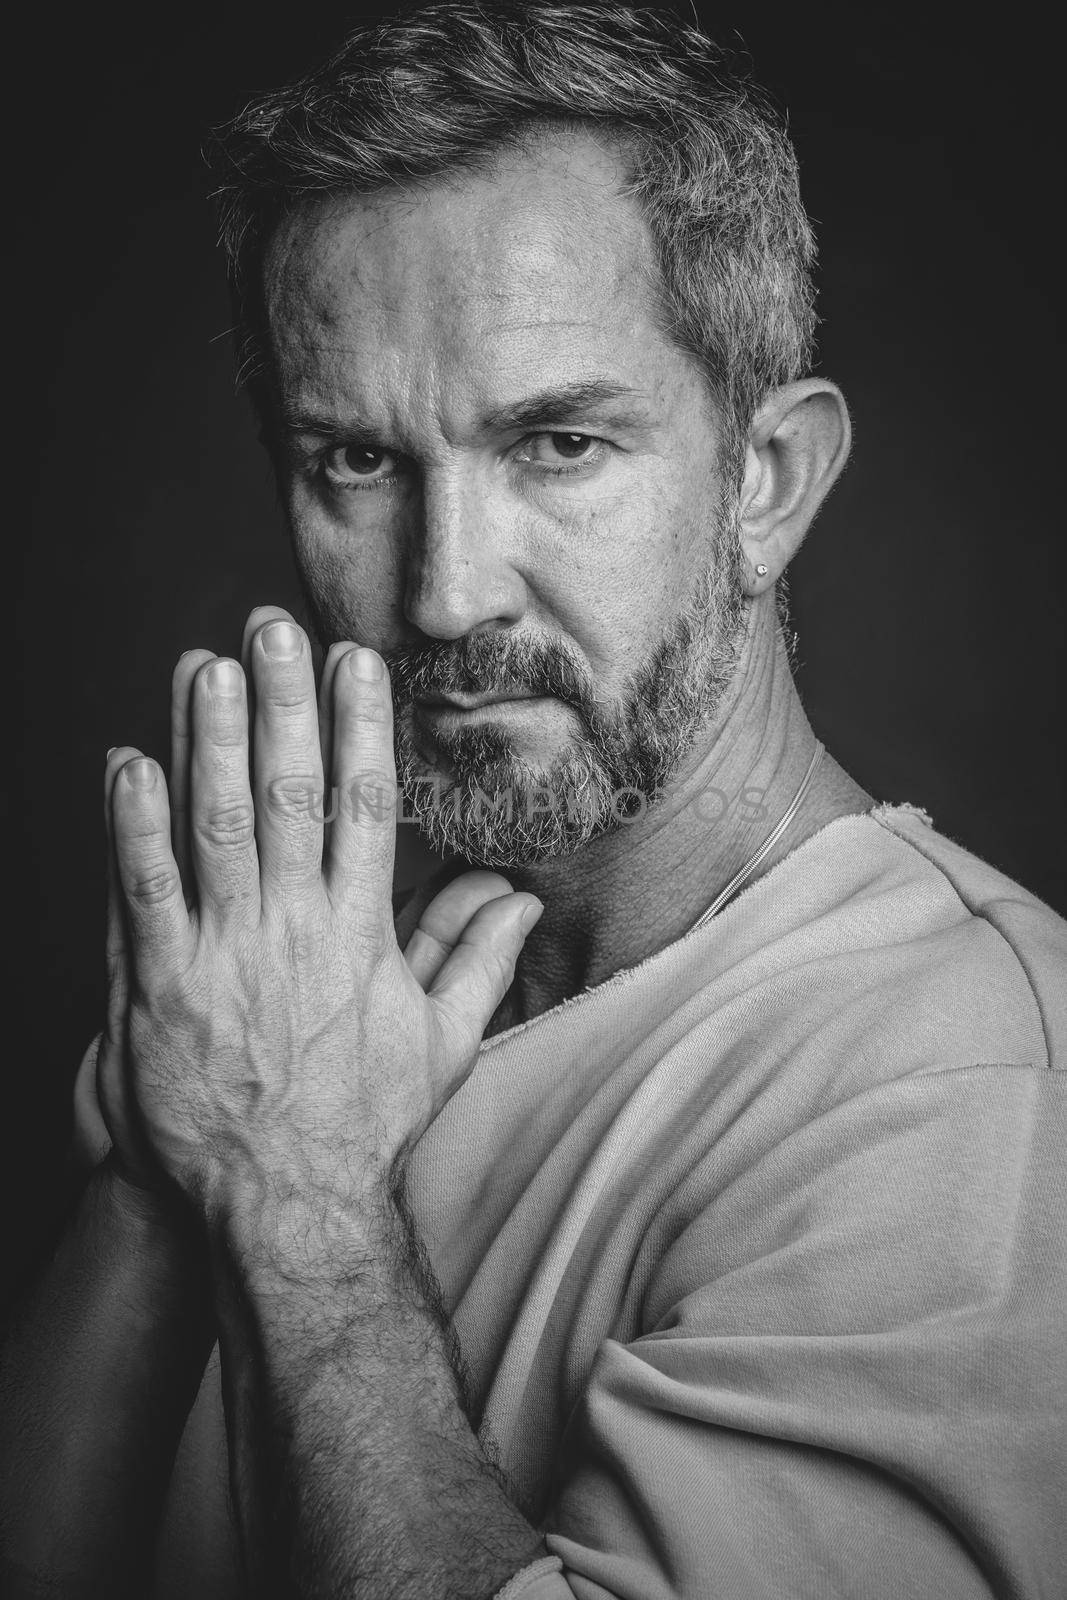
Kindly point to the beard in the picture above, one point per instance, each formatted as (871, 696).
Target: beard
(494, 809)
(497, 810)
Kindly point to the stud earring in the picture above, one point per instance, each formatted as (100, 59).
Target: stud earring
(761, 570)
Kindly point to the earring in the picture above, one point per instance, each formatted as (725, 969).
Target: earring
(761, 570)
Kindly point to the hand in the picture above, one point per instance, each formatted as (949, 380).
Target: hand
(279, 1041)
(129, 1158)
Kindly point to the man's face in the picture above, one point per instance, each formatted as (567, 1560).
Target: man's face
(502, 475)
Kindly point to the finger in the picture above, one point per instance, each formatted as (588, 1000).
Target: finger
(160, 936)
(441, 924)
(115, 948)
(335, 654)
(257, 618)
(359, 869)
(181, 735)
(221, 816)
(480, 970)
(287, 778)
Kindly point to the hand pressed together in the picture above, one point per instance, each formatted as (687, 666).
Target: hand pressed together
(275, 1040)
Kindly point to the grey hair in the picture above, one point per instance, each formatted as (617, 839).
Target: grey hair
(450, 85)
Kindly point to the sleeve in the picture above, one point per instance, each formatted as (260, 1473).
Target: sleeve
(852, 1383)
(539, 1581)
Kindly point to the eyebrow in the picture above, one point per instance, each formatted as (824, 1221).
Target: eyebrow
(568, 401)
(293, 420)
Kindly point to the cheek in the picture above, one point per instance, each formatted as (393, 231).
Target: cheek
(620, 573)
(350, 580)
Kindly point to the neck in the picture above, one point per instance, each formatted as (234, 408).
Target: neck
(632, 892)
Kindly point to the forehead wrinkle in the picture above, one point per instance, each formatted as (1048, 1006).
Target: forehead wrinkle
(545, 324)
(419, 320)
(458, 367)
(448, 394)
(498, 240)
(477, 260)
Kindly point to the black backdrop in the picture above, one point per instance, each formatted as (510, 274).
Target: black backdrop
(930, 618)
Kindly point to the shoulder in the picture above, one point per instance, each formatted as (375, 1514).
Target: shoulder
(897, 1121)
(1003, 951)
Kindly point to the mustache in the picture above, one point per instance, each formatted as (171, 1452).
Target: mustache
(487, 663)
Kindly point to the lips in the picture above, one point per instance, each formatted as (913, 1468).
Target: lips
(474, 702)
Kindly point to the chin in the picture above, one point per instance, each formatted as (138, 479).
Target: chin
(496, 809)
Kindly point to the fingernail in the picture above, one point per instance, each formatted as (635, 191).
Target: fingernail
(140, 774)
(366, 664)
(281, 641)
(531, 914)
(225, 678)
(111, 752)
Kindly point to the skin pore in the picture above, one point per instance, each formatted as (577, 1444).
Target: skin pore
(497, 465)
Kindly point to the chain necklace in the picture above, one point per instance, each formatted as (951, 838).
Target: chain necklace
(739, 878)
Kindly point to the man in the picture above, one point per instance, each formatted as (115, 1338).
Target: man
(678, 1209)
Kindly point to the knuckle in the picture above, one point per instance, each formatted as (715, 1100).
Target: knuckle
(372, 929)
(288, 695)
(225, 732)
(138, 830)
(296, 799)
(224, 724)
(371, 797)
(227, 827)
(302, 945)
(152, 885)
(376, 711)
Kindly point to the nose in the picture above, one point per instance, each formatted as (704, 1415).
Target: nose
(459, 573)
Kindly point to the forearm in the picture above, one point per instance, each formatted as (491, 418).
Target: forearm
(354, 1452)
(100, 1367)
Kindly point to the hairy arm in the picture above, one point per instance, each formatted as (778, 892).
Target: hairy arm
(284, 1054)
(100, 1367)
(355, 1470)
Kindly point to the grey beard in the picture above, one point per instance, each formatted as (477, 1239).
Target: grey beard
(497, 811)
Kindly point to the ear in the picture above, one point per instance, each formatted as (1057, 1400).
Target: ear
(797, 447)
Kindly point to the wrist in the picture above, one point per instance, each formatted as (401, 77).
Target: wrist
(312, 1255)
(153, 1222)
(314, 1212)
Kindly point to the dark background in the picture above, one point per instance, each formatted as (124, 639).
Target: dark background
(927, 600)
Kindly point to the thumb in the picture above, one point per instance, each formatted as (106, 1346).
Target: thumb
(479, 972)
(442, 923)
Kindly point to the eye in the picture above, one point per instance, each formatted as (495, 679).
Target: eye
(359, 466)
(562, 452)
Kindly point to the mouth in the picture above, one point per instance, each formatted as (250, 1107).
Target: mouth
(473, 702)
